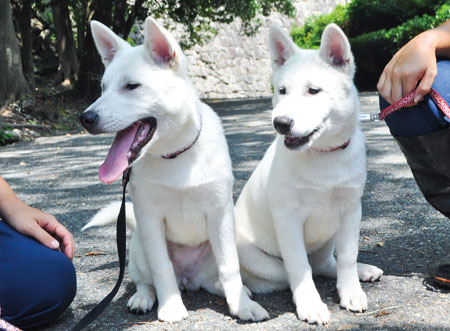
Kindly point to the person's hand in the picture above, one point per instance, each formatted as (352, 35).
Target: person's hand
(39, 225)
(414, 65)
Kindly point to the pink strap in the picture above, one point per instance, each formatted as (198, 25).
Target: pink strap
(7, 327)
(440, 102)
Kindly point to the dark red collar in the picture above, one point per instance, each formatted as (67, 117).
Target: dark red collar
(344, 146)
(175, 154)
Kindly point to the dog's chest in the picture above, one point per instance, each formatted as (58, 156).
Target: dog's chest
(183, 211)
(185, 220)
(325, 216)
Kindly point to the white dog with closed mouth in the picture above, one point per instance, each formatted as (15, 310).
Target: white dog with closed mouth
(303, 200)
(181, 182)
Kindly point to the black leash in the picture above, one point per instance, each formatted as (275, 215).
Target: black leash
(121, 251)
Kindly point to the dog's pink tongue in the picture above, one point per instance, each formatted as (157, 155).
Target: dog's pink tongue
(117, 161)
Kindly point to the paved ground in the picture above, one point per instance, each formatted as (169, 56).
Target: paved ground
(400, 232)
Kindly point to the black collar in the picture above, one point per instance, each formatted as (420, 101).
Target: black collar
(175, 154)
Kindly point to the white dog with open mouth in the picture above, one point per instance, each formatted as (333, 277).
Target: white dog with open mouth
(181, 182)
(303, 201)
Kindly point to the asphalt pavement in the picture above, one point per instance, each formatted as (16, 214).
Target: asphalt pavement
(400, 232)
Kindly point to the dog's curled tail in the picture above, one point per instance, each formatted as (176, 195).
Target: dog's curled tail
(108, 215)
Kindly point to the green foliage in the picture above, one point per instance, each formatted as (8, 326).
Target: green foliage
(384, 37)
(130, 40)
(198, 16)
(5, 135)
(308, 35)
(373, 50)
(371, 15)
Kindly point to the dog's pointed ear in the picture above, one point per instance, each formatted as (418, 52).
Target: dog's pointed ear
(160, 45)
(281, 46)
(335, 49)
(106, 41)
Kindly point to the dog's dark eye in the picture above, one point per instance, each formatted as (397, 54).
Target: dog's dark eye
(282, 90)
(313, 90)
(132, 86)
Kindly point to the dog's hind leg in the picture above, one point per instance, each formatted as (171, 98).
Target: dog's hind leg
(261, 272)
(145, 297)
(221, 227)
(323, 263)
(261, 264)
(368, 272)
(208, 278)
(213, 286)
(143, 300)
(259, 285)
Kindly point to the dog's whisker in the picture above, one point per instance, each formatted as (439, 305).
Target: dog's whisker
(174, 124)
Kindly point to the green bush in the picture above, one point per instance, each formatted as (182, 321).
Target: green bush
(373, 49)
(5, 136)
(308, 35)
(372, 15)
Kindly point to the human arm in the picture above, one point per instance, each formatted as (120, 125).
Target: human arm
(414, 65)
(33, 222)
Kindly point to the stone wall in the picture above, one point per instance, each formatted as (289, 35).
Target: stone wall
(235, 66)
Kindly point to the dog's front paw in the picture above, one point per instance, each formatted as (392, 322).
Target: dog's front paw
(141, 303)
(172, 310)
(313, 311)
(249, 310)
(353, 299)
(369, 273)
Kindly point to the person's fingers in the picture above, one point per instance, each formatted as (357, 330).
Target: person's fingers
(384, 87)
(381, 81)
(409, 84)
(51, 225)
(42, 236)
(396, 91)
(67, 240)
(425, 84)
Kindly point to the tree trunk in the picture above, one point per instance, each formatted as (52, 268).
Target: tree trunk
(120, 7)
(91, 67)
(132, 18)
(22, 16)
(81, 18)
(68, 61)
(12, 80)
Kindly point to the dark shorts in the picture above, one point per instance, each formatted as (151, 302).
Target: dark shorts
(425, 117)
(37, 283)
(423, 134)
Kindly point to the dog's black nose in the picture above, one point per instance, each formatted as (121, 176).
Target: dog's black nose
(283, 124)
(88, 119)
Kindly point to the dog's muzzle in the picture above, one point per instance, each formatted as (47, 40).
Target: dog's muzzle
(283, 124)
(89, 121)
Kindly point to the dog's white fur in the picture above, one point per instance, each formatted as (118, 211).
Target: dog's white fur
(299, 206)
(185, 230)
